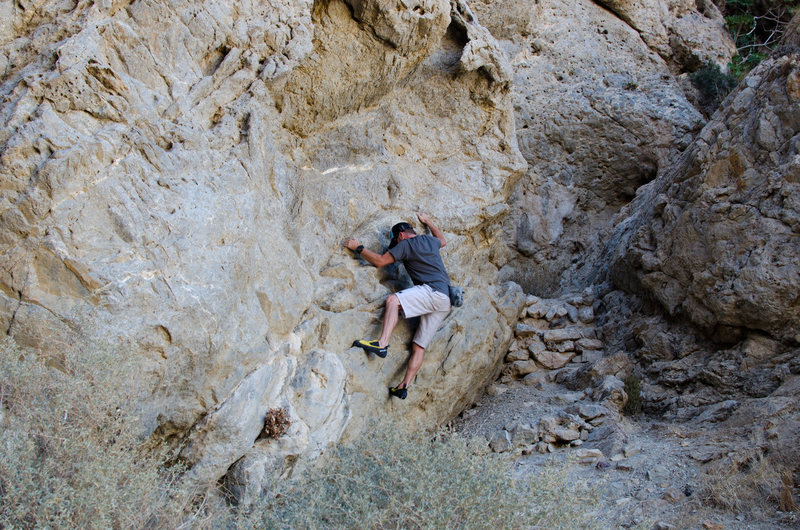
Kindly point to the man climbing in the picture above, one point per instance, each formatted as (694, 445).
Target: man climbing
(428, 299)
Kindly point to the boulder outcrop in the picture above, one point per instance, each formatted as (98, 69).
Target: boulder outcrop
(706, 255)
(177, 180)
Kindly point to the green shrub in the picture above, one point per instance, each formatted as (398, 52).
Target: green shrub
(392, 479)
(634, 390)
(712, 86)
(740, 66)
(71, 455)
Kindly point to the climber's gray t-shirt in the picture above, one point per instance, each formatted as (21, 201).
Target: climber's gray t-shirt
(421, 258)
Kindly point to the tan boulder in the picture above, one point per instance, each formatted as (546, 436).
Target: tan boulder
(553, 360)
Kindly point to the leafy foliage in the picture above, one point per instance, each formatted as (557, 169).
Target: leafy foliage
(712, 85)
(756, 27)
(634, 390)
(740, 67)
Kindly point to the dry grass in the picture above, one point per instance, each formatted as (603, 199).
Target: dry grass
(73, 458)
(390, 478)
(756, 481)
(71, 453)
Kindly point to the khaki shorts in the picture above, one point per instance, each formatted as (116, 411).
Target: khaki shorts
(431, 306)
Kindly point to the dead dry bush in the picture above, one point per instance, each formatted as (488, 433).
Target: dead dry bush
(276, 423)
(740, 484)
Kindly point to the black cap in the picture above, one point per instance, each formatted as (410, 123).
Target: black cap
(396, 229)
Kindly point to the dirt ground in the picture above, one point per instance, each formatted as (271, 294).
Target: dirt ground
(658, 483)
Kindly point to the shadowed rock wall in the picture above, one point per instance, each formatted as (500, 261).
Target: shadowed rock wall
(600, 110)
(716, 240)
(707, 257)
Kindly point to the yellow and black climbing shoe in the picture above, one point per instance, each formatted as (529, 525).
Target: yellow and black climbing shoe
(372, 346)
(398, 392)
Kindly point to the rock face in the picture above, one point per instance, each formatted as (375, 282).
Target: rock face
(551, 334)
(685, 34)
(600, 111)
(706, 256)
(700, 299)
(717, 238)
(177, 180)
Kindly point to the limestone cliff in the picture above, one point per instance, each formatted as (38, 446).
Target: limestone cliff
(177, 181)
(714, 244)
(716, 238)
(703, 280)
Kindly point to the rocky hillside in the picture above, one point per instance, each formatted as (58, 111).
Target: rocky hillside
(177, 180)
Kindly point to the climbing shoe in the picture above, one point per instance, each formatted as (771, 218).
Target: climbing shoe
(371, 346)
(398, 392)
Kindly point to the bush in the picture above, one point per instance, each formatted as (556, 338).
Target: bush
(739, 67)
(276, 424)
(739, 484)
(712, 86)
(71, 453)
(756, 28)
(392, 479)
(72, 458)
(634, 390)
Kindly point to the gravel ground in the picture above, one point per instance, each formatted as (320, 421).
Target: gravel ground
(656, 485)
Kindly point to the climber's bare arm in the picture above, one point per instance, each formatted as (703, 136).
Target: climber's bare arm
(426, 220)
(379, 260)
